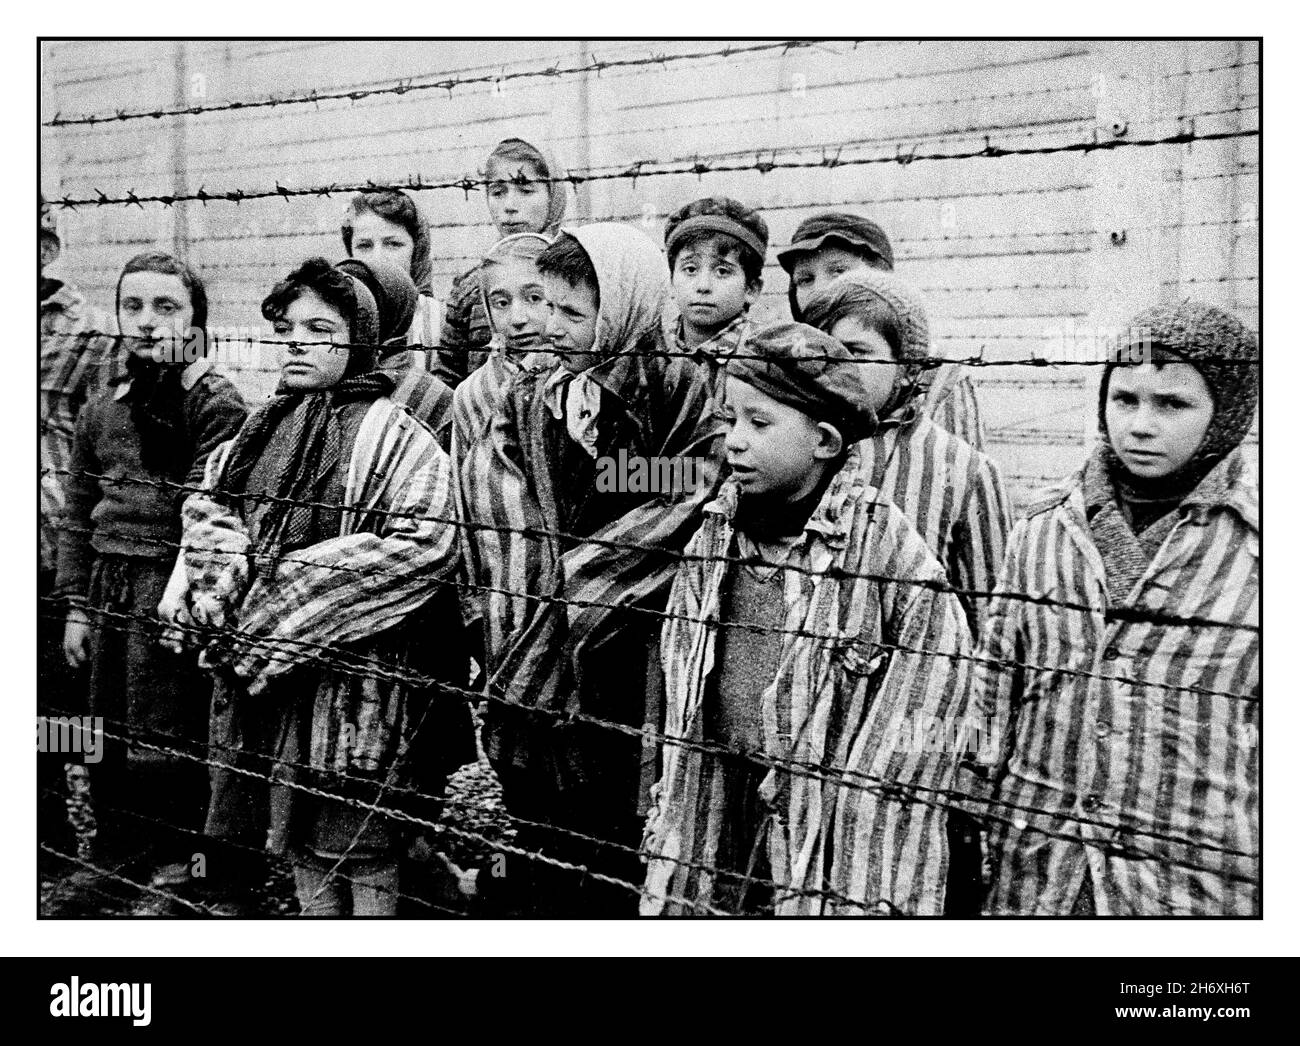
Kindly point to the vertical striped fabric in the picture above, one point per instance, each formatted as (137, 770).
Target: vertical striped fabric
(426, 330)
(378, 570)
(490, 492)
(1131, 750)
(668, 405)
(855, 701)
(951, 403)
(75, 364)
(424, 395)
(954, 496)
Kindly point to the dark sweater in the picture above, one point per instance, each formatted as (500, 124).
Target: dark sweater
(134, 511)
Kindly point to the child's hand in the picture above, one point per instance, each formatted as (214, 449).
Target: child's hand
(76, 638)
(207, 610)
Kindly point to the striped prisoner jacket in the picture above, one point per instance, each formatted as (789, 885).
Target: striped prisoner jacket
(499, 564)
(1120, 748)
(951, 404)
(78, 358)
(954, 496)
(890, 671)
(394, 551)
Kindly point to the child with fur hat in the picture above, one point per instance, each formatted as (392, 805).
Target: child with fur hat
(1127, 783)
(525, 193)
(580, 654)
(806, 626)
(272, 546)
(829, 244)
(716, 248)
(138, 446)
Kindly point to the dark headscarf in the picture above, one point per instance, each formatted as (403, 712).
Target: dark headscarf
(394, 292)
(302, 477)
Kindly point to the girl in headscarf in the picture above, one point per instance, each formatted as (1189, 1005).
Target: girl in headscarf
(1123, 703)
(321, 532)
(386, 224)
(525, 193)
(425, 395)
(136, 447)
(488, 493)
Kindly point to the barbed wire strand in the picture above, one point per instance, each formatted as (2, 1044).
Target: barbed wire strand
(837, 775)
(410, 86)
(1128, 614)
(638, 170)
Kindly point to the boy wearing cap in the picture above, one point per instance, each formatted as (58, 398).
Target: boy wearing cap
(1130, 785)
(828, 245)
(716, 248)
(783, 647)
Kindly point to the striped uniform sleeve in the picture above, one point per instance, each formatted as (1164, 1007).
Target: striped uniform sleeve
(632, 573)
(502, 566)
(980, 535)
(892, 835)
(958, 411)
(361, 583)
(996, 680)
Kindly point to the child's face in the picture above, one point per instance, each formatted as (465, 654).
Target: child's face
(571, 323)
(867, 343)
(773, 448)
(814, 271)
(374, 236)
(154, 306)
(304, 368)
(517, 205)
(1157, 416)
(517, 301)
(709, 284)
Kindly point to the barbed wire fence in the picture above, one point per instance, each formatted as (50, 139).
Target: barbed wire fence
(1070, 160)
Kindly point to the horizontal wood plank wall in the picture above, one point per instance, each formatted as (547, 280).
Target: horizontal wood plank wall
(1011, 252)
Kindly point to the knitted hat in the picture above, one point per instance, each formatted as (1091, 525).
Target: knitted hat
(1224, 352)
(831, 229)
(810, 371)
(393, 291)
(893, 308)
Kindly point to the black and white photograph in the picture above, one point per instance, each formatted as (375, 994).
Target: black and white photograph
(519, 479)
